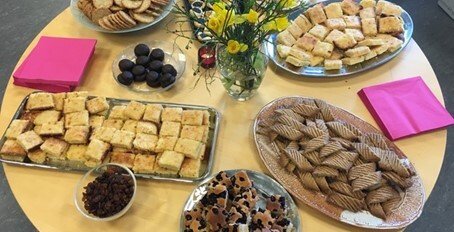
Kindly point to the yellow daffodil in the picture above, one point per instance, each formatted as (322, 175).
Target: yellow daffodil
(282, 23)
(215, 25)
(218, 7)
(288, 3)
(252, 16)
(233, 47)
(244, 47)
(270, 26)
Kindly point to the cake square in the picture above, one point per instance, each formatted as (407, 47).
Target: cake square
(319, 31)
(206, 117)
(55, 148)
(77, 94)
(114, 123)
(145, 142)
(76, 153)
(52, 128)
(29, 140)
(77, 135)
(191, 168)
(193, 132)
(96, 150)
(368, 12)
(122, 139)
(303, 23)
(59, 100)
(74, 104)
(47, 116)
(334, 34)
(146, 128)
(166, 144)
(97, 104)
(17, 127)
(192, 117)
(37, 156)
(12, 150)
(172, 114)
(40, 101)
(333, 10)
(190, 148)
(307, 42)
(103, 133)
(323, 49)
(171, 129)
(76, 119)
(352, 21)
(144, 164)
(316, 14)
(369, 26)
(125, 159)
(134, 110)
(95, 121)
(164, 171)
(153, 113)
(130, 125)
(171, 160)
(117, 112)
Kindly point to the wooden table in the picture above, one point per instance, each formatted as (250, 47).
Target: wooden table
(47, 196)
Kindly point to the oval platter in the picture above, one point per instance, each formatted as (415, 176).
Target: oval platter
(320, 72)
(265, 186)
(409, 209)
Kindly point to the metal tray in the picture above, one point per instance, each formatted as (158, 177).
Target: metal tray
(320, 72)
(265, 186)
(207, 163)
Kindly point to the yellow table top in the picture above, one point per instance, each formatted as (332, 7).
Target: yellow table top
(47, 196)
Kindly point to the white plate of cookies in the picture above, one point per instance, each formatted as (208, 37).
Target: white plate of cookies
(340, 38)
(120, 16)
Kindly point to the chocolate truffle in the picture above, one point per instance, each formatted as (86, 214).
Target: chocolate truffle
(142, 60)
(141, 50)
(125, 65)
(125, 78)
(140, 78)
(168, 68)
(138, 70)
(157, 54)
(156, 66)
(167, 79)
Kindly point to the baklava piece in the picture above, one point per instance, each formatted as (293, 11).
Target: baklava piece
(171, 129)
(145, 142)
(122, 139)
(77, 135)
(77, 119)
(189, 147)
(97, 104)
(191, 168)
(166, 144)
(75, 104)
(40, 101)
(134, 110)
(192, 117)
(146, 128)
(153, 113)
(144, 164)
(125, 159)
(171, 114)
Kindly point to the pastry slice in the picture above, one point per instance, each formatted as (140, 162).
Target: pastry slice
(291, 122)
(315, 143)
(29, 140)
(316, 14)
(345, 41)
(382, 194)
(191, 168)
(357, 35)
(352, 60)
(295, 30)
(299, 54)
(146, 128)
(123, 139)
(350, 7)
(37, 156)
(40, 101)
(346, 202)
(144, 164)
(283, 50)
(170, 129)
(369, 26)
(334, 34)
(325, 171)
(307, 42)
(134, 110)
(172, 114)
(377, 210)
(192, 117)
(332, 64)
(397, 180)
(313, 157)
(117, 112)
(145, 142)
(319, 31)
(123, 158)
(17, 127)
(47, 116)
(287, 132)
(286, 38)
(74, 104)
(306, 110)
(361, 170)
(52, 128)
(391, 205)
(341, 160)
(330, 148)
(76, 156)
(299, 160)
(308, 181)
(333, 10)
(55, 148)
(59, 99)
(357, 51)
(368, 12)
(367, 182)
(190, 148)
(323, 184)
(303, 23)
(153, 113)
(323, 49)
(97, 104)
(12, 150)
(336, 23)
(352, 21)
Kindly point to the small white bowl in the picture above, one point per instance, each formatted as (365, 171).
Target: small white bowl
(90, 176)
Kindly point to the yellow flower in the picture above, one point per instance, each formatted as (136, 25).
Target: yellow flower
(218, 7)
(252, 16)
(288, 3)
(270, 26)
(214, 24)
(282, 23)
(244, 47)
(233, 47)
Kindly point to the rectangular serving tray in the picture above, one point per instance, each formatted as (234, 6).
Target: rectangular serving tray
(207, 163)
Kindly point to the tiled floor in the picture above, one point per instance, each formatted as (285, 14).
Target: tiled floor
(21, 20)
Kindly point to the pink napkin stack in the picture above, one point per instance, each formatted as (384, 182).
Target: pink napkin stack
(55, 64)
(405, 107)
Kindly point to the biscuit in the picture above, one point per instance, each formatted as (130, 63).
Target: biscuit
(316, 60)
(12, 150)
(368, 12)
(190, 148)
(344, 42)
(96, 150)
(349, 7)
(76, 119)
(77, 94)
(77, 135)
(113, 123)
(95, 121)
(357, 51)
(319, 31)
(17, 127)
(134, 110)
(74, 104)
(285, 38)
(99, 13)
(145, 142)
(171, 160)
(144, 164)
(191, 168)
(153, 113)
(102, 3)
(303, 23)
(166, 144)
(122, 139)
(390, 24)
(55, 148)
(59, 99)
(297, 62)
(193, 132)
(333, 64)
(352, 60)
(307, 42)
(316, 14)
(336, 23)
(40, 101)
(333, 10)
(37, 156)
(131, 4)
(369, 26)
(47, 116)
(125, 159)
(117, 112)
(171, 114)
(352, 21)
(357, 34)
(103, 133)
(171, 129)
(283, 52)
(97, 104)
(53, 128)
(146, 128)
(29, 140)
(334, 34)
(295, 30)
(130, 125)
(323, 49)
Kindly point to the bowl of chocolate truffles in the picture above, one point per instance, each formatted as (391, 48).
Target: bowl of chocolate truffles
(106, 192)
(153, 66)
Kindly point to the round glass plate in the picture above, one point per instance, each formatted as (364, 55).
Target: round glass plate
(320, 72)
(264, 185)
(80, 16)
(173, 55)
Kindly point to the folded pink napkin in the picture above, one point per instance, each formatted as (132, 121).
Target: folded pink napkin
(405, 107)
(55, 62)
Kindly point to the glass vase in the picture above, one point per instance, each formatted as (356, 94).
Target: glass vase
(241, 73)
